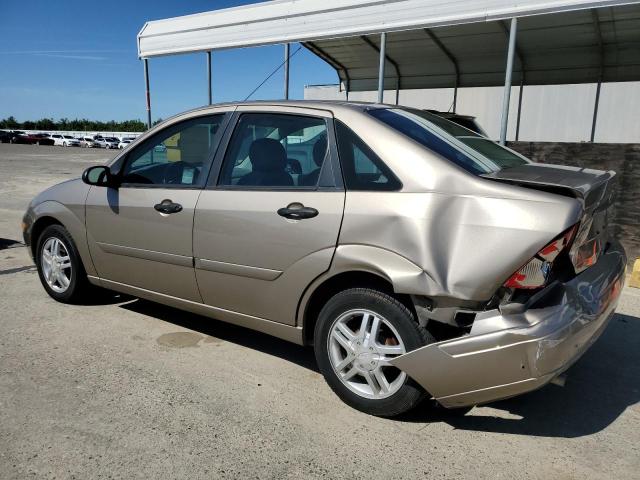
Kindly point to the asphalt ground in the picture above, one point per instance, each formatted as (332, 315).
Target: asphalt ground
(124, 388)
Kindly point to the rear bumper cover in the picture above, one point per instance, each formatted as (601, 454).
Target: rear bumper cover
(507, 354)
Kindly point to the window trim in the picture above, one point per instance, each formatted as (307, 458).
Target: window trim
(125, 159)
(344, 180)
(330, 174)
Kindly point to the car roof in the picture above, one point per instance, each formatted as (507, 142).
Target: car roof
(330, 105)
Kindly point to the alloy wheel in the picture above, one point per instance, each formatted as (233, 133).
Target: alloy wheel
(56, 264)
(361, 343)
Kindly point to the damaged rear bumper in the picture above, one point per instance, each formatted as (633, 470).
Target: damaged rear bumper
(509, 353)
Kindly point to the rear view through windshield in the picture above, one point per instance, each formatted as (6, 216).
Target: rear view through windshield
(460, 145)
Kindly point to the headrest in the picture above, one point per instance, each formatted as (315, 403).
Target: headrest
(294, 166)
(194, 144)
(320, 150)
(267, 155)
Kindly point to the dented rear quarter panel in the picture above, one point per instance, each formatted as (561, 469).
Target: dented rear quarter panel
(467, 234)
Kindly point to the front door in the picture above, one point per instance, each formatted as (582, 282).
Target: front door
(140, 234)
(269, 224)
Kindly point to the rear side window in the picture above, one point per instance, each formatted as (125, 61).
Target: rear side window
(361, 167)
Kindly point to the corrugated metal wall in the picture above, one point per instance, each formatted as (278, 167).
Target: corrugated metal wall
(551, 113)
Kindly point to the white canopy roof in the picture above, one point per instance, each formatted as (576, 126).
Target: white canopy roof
(469, 48)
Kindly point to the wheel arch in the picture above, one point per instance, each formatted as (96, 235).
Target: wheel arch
(323, 289)
(51, 212)
(38, 227)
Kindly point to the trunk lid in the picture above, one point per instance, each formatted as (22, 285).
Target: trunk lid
(593, 188)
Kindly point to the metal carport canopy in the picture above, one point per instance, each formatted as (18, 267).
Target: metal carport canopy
(578, 46)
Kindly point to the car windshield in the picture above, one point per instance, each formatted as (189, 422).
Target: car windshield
(69, 136)
(460, 145)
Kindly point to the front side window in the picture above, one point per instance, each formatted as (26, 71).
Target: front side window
(361, 167)
(476, 154)
(178, 155)
(275, 150)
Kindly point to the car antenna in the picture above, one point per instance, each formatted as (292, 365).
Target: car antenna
(272, 74)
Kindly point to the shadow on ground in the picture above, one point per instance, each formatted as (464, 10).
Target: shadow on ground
(302, 356)
(598, 389)
(9, 243)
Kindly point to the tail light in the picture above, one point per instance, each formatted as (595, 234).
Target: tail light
(584, 250)
(535, 272)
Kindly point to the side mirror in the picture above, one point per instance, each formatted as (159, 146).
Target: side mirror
(99, 176)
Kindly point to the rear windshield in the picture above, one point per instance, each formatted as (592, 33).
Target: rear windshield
(460, 145)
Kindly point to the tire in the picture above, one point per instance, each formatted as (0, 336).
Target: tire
(398, 331)
(78, 284)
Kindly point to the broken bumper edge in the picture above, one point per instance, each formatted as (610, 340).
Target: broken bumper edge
(510, 354)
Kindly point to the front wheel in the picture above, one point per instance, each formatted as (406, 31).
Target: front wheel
(59, 265)
(357, 334)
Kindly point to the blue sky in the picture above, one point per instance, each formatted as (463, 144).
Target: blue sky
(78, 59)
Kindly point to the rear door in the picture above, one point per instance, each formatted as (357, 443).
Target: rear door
(141, 233)
(268, 222)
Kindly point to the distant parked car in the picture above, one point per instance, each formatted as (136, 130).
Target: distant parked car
(14, 134)
(5, 137)
(65, 140)
(466, 121)
(89, 142)
(124, 143)
(107, 142)
(35, 139)
(32, 139)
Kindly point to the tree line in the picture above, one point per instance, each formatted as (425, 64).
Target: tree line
(64, 124)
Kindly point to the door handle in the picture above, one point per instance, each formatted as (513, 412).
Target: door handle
(167, 206)
(297, 211)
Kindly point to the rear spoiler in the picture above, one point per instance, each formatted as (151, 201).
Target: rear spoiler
(594, 188)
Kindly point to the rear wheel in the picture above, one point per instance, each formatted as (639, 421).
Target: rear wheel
(357, 334)
(59, 265)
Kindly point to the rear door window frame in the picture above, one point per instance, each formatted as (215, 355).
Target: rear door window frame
(330, 178)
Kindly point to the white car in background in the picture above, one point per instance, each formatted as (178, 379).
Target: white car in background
(89, 142)
(124, 143)
(65, 140)
(107, 142)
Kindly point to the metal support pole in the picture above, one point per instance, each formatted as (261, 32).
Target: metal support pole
(209, 77)
(286, 71)
(455, 98)
(595, 112)
(507, 81)
(146, 82)
(519, 108)
(383, 47)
